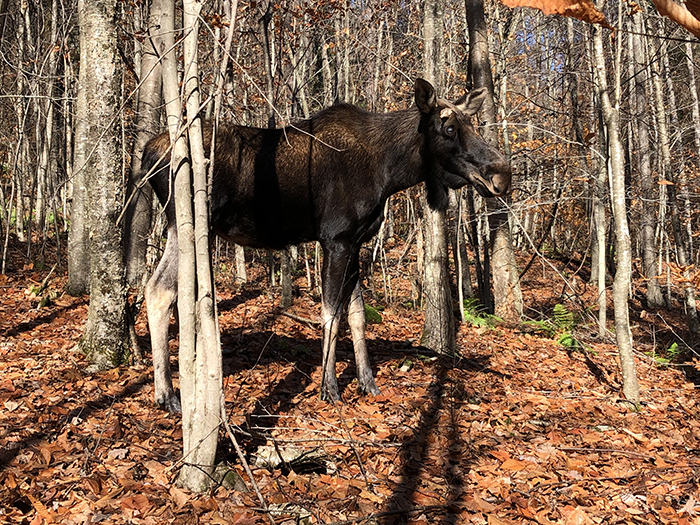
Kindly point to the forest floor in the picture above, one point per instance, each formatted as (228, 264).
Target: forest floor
(515, 429)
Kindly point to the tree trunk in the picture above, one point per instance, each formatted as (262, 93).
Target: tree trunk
(200, 354)
(45, 134)
(105, 340)
(599, 222)
(439, 328)
(680, 234)
(623, 274)
(693, 89)
(78, 234)
(508, 301)
(638, 101)
(138, 218)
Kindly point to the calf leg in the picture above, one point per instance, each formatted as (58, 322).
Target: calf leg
(356, 320)
(339, 276)
(160, 295)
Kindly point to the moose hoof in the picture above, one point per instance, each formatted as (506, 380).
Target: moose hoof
(330, 394)
(170, 403)
(369, 388)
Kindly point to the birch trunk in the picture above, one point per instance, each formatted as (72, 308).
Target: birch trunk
(201, 384)
(621, 284)
(105, 341)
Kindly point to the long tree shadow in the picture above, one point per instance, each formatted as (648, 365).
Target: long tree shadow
(409, 493)
(33, 324)
(245, 293)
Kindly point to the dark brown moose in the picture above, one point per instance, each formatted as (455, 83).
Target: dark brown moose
(324, 179)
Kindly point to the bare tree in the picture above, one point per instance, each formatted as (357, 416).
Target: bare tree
(200, 353)
(148, 113)
(623, 274)
(648, 219)
(508, 301)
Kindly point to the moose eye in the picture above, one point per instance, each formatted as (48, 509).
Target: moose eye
(450, 131)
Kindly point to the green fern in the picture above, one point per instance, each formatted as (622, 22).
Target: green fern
(475, 315)
(563, 319)
(544, 327)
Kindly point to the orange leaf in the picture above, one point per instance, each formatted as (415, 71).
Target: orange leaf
(514, 464)
(40, 508)
(577, 517)
(583, 10)
(135, 501)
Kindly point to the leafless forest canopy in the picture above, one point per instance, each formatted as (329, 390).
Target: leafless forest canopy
(369, 53)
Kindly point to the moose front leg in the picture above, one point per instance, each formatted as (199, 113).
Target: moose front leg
(356, 320)
(331, 322)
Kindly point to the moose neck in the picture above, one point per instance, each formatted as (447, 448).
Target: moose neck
(401, 149)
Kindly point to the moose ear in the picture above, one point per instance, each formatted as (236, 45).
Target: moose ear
(471, 102)
(426, 100)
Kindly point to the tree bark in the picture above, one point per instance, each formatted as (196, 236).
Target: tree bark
(106, 339)
(655, 298)
(679, 233)
(623, 274)
(201, 384)
(508, 301)
(439, 328)
(138, 218)
(78, 234)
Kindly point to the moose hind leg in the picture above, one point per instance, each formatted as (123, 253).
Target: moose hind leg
(356, 320)
(340, 273)
(160, 295)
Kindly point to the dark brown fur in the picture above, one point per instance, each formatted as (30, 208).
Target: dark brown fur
(324, 179)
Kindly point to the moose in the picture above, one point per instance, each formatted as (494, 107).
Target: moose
(324, 179)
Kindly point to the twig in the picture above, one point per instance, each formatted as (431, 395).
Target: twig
(609, 450)
(244, 462)
(351, 440)
(45, 282)
(455, 507)
(331, 440)
(98, 441)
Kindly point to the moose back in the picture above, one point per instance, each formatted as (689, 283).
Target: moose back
(324, 179)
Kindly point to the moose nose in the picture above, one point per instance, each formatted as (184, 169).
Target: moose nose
(501, 177)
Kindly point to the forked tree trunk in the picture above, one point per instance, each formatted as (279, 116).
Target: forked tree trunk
(200, 354)
(623, 274)
(105, 340)
(439, 328)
